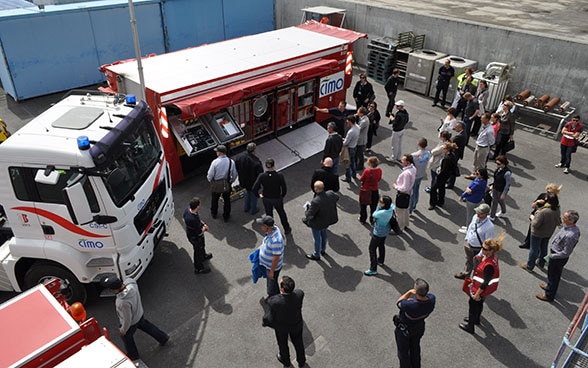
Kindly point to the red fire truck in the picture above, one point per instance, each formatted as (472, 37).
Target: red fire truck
(39, 329)
(237, 91)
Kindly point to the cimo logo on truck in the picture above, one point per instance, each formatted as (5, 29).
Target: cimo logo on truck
(332, 83)
(87, 243)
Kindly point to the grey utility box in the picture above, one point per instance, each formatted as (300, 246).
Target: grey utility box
(459, 64)
(419, 71)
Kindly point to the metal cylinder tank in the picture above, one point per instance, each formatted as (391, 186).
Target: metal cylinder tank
(419, 71)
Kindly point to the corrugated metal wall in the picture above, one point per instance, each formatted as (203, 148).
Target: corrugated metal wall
(62, 47)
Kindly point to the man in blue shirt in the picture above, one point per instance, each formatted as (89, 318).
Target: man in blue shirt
(271, 253)
(562, 246)
(480, 229)
(415, 305)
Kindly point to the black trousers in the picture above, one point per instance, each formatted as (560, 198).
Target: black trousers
(199, 251)
(296, 337)
(226, 206)
(554, 271)
(437, 193)
(475, 311)
(409, 347)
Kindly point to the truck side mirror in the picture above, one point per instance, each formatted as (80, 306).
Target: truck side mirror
(77, 202)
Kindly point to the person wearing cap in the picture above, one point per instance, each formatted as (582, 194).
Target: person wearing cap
(273, 190)
(333, 146)
(130, 314)
(195, 229)
(446, 72)
(481, 228)
(222, 168)
(271, 253)
(399, 122)
(249, 167)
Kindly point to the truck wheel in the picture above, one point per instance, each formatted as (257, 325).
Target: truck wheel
(71, 288)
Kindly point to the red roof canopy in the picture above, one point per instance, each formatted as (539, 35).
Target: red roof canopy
(337, 32)
(215, 100)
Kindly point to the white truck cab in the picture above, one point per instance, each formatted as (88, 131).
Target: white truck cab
(86, 191)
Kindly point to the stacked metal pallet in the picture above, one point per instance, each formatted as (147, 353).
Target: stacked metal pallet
(381, 58)
(387, 53)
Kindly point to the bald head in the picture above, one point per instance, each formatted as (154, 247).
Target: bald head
(319, 186)
(328, 162)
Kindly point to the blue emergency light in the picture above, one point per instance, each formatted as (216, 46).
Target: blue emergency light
(131, 100)
(83, 143)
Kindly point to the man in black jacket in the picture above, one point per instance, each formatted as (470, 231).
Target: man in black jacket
(286, 312)
(326, 175)
(363, 93)
(249, 167)
(319, 215)
(460, 140)
(333, 146)
(273, 190)
(391, 88)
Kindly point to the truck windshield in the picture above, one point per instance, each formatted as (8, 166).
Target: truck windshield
(138, 155)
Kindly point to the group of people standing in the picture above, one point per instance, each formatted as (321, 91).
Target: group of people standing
(350, 138)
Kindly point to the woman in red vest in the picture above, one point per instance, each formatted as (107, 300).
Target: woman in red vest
(484, 281)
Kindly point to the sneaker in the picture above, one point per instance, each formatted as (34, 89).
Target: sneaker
(523, 265)
(388, 158)
(370, 273)
(463, 230)
(500, 214)
(566, 171)
(202, 270)
(558, 165)
(428, 190)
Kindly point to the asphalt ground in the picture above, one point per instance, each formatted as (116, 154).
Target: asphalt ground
(215, 319)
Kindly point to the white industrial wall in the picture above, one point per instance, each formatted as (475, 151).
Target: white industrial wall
(543, 64)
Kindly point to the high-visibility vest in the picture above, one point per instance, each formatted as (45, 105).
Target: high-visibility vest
(478, 278)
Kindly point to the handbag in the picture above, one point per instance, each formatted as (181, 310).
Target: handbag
(510, 145)
(219, 186)
(222, 185)
(466, 286)
(457, 173)
(365, 196)
(402, 200)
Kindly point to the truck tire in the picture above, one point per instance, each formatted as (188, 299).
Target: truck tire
(71, 288)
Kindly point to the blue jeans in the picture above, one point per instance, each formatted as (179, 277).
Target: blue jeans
(272, 286)
(350, 171)
(468, 127)
(149, 328)
(250, 204)
(320, 241)
(414, 197)
(537, 251)
(566, 155)
(336, 165)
